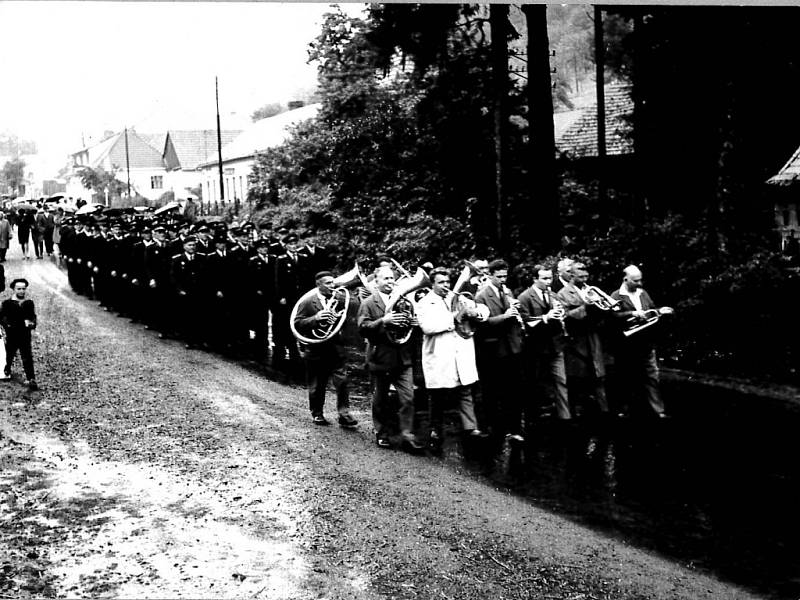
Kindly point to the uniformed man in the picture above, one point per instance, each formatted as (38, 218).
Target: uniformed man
(287, 291)
(186, 274)
(262, 285)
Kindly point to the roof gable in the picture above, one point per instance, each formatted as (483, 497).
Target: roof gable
(790, 171)
(187, 149)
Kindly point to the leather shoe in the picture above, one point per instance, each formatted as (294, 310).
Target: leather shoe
(347, 421)
(412, 446)
(320, 420)
(475, 433)
(382, 442)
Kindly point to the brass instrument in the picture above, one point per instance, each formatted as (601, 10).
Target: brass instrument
(399, 301)
(463, 301)
(337, 304)
(400, 269)
(651, 318)
(594, 295)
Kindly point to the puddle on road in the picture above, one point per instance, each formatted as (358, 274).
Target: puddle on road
(142, 531)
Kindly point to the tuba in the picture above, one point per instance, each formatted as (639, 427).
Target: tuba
(400, 302)
(337, 303)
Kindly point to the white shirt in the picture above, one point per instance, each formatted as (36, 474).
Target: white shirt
(636, 297)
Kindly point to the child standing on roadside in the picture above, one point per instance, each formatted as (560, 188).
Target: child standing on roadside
(18, 318)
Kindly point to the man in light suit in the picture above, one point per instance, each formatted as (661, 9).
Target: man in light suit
(448, 360)
(499, 349)
(544, 344)
(325, 360)
(389, 363)
(583, 355)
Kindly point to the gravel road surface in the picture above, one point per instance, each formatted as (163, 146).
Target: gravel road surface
(145, 470)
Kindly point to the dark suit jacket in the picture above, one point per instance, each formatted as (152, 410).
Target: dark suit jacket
(498, 336)
(304, 322)
(186, 275)
(541, 337)
(287, 278)
(382, 354)
(261, 278)
(157, 264)
(584, 350)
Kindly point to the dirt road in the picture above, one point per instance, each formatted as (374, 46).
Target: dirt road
(144, 470)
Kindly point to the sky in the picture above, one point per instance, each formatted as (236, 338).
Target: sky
(72, 70)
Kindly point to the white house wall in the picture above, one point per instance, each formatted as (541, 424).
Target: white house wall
(235, 178)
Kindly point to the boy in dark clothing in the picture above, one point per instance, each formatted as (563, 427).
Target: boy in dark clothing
(18, 318)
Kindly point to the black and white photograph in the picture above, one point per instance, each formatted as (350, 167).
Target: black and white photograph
(399, 301)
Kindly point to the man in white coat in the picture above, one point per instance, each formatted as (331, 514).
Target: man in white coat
(448, 359)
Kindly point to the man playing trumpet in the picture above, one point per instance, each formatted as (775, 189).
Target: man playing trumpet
(389, 363)
(326, 359)
(583, 355)
(448, 358)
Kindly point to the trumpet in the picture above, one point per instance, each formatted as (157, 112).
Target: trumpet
(651, 317)
(594, 295)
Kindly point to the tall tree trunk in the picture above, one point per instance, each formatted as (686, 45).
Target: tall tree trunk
(498, 20)
(541, 213)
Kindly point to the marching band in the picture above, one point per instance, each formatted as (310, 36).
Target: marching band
(506, 361)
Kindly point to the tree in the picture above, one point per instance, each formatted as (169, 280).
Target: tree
(268, 110)
(13, 174)
(99, 180)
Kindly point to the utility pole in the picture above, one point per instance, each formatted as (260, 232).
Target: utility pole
(498, 21)
(128, 163)
(599, 59)
(219, 145)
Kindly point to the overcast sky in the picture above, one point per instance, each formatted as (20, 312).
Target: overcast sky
(73, 68)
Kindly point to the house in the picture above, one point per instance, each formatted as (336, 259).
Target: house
(124, 153)
(785, 196)
(576, 135)
(185, 150)
(238, 156)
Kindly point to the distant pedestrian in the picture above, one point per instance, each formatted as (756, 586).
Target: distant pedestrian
(58, 219)
(18, 318)
(24, 224)
(6, 233)
(38, 232)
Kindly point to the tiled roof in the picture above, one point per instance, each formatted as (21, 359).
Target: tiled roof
(576, 131)
(266, 133)
(790, 172)
(111, 152)
(194, 147)
(156, 140)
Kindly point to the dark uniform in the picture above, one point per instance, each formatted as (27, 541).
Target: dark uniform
(261, 289)
(186, 275)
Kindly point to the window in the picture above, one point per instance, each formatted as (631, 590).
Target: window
(156, 182)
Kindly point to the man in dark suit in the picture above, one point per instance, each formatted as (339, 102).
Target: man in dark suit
(635, 361)
(186, 276)
(288, 268)
(583, 355)
(389, 363)
(157, 279)
(544, 343)
(498, 342)
(261, 289)
(226, 329)
(324, 360)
